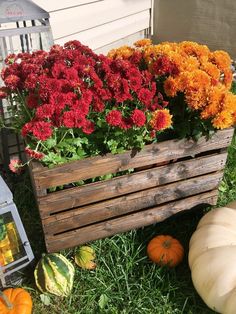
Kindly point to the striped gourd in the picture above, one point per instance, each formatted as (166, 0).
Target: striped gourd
(54, 274)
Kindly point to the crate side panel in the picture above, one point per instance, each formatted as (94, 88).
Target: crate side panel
(122, 224)
(124, 205)
(104, 190)
(151, 154)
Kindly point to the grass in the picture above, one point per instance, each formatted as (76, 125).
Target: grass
(125, 281)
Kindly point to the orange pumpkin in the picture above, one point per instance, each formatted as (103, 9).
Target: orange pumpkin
(15, 301)
(165, 250)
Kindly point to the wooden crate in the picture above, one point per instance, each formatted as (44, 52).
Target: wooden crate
(77, 215)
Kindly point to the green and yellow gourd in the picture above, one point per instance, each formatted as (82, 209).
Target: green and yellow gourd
(54, 274)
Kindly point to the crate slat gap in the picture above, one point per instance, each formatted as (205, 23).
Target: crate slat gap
(81, 214)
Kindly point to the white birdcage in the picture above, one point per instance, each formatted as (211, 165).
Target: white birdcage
(24, 27)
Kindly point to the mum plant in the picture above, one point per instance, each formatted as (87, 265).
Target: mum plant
(70, 103)
(198, 89)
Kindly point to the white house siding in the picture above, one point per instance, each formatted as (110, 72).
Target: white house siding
(100, 24)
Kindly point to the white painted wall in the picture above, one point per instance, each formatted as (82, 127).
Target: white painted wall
(100, 24)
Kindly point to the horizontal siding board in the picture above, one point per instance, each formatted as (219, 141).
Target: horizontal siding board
(55, 5)
(101, 25)
(105, 34)
(81, 18)
(129, 40)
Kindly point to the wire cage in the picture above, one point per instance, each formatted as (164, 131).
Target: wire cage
(24, 27)
(15, 249)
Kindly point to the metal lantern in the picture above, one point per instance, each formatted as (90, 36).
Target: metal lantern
(24, 27)
(15, 250)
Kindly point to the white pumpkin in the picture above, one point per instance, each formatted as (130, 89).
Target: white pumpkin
(212, 259)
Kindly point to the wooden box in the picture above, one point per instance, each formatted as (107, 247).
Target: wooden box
(168, 177)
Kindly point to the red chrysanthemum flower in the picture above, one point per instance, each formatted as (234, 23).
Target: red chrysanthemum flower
(136, 57)
(12, 81)
(73, 119)
(161, 120)
(88, 127)
(44, 111)
(15, 165)
(3, 92)
(10, 58)
(33, 153)
(138, 117)
(97, 104)
(126, 123)
(162, 66)
(114, 118)
(135, 83)
(145, 96)
(32, 101)
(41, 130)
(31, 82)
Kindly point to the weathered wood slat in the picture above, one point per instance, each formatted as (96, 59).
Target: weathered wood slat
(80, 217)
(151, 154)
(79, 196)
(125, 223)
(38, 192)
(77, 215)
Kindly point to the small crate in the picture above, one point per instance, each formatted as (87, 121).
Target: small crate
(169, 177)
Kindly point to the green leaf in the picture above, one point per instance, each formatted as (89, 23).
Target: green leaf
(53, 159)
(81, 153)
(103, 301)
(45, 299)
(51, 142)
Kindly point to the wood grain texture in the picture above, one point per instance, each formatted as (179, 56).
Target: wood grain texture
(104, 190)
(125, 223)
(38, 192)
(180, 174)
(134, 202)
(151, 154)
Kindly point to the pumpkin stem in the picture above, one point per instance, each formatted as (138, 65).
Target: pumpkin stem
(166, 244)
(6, 300)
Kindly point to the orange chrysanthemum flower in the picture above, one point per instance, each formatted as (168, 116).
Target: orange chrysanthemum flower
(195, 49)
(143, 42)
(161, 120)
(190, 64)
(229, 102)
(223, 120)
(123, 52)
(196, 98)
(171, 86)
(228, 78)
(221, 59)
(211, 69)
(234, 118)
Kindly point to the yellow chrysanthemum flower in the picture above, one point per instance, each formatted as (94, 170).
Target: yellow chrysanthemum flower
(223, 120)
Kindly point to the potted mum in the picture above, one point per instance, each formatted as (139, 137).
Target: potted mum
(89, 118)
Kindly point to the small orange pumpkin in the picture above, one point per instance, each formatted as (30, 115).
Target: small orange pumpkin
(15, 301)
(165, 250)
